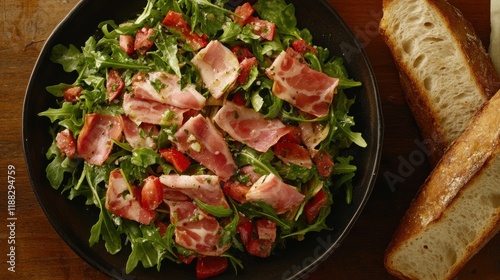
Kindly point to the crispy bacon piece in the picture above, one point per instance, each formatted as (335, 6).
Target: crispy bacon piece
(94, 142)
(149, 111)
(124, 204)
(312, 133)
(305, 88)
(250, 127)
(205, 188)
(274, 192)
(66, 143)
(196, 230)
(133, 135)
(166, 88)
(199, 138)
(218, 66)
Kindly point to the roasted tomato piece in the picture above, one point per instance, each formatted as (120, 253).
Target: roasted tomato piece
(242, 52)
(294, 136)
(179, 160)
(243, 13)
(66, 143)
(259, 247)
(127, 44)
(246, 66)
(210, 266)
(239, 98)
(294, 153)
(162, 227)
(314, 205)
(263, 28)
(177, 25)
(324, 162)
(236, 190)
(114, 84)
(266, 229)
(144, 39)
(303, 47)
(71, 94)
(151, 193)
(245, 229)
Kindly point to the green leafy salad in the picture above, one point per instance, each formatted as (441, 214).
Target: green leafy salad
(202, 133)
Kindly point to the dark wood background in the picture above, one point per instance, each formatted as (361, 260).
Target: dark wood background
(42, 254)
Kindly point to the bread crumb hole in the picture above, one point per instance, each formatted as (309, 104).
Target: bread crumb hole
(428, 24)
(428, 83)
(418, 61)
(407, 46)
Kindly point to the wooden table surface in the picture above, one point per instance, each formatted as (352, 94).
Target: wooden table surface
(42, 254)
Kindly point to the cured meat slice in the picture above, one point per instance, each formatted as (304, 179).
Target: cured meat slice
(149, 111)
(205, 188)
(305, 88)
(124, 204)
(250, 127)
(199, 138)
(166, 88)
(133, 135)
(195, 229)
(94, 142)
(312, 134)
(218, 66)
(274, 192)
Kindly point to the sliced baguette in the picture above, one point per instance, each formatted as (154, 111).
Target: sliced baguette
(445, 71)
(457, 209)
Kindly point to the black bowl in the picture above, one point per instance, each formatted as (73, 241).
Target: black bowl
(73, 220)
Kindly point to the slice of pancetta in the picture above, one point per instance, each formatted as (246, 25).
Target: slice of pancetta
(312, 134)
(218, 66)
(195, 229)
(305, 88)
(274, 192)
(166, 88)
(199, 138)
(205, 188)
(139, 136)
(122, 203)
(250, 127)
(94, 141)
(148, 111)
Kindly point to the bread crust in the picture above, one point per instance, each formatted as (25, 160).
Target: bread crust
(479, 64)
(462, 167)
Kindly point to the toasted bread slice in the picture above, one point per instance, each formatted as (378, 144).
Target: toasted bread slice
(445, 71)
(457, 210)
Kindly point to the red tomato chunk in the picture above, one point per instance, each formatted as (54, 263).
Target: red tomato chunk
(210, 266)
(179, 160)
(314, 205)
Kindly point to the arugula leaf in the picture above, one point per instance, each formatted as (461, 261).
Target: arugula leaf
(66, 111)
(168, 47)
(260, 162)
(105, 226)
(281, 13)
(59, 165)
(69, 57)
(344, 122)
(144, 157)
(260, 209)
(320, 222)
(148, 246)
(216, 211)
